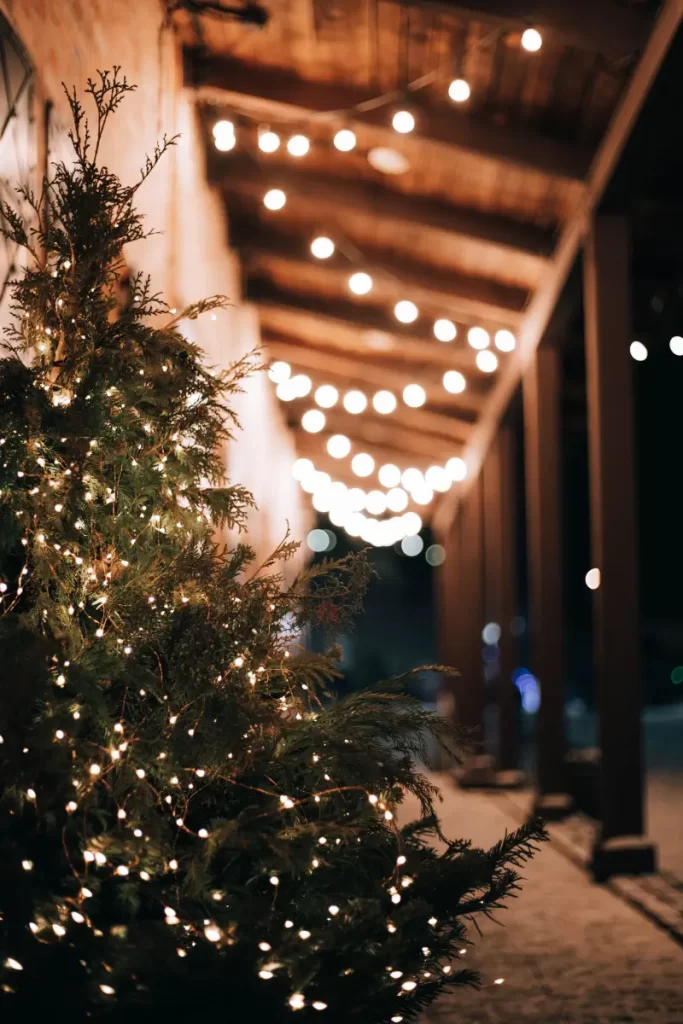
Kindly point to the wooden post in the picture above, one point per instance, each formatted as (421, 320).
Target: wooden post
(541, 392)
(446, 580)
(614, 546)
(500, 541)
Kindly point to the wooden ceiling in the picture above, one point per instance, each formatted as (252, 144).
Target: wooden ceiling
(468, 232)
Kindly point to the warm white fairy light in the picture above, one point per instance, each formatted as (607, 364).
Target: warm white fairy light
(478, 338)
(676, 345)
(403, 122)
(212, 933)
(532, 40)
(224, 136)
(438, 478)
(459, 90)
(344, 140)
(297, 1001)
(406, 312)
(445, 330)
(338, 446)
(457, 468)
(389, 475)
(360, 283)
(274, 199)
(638, 351)
(454, 382)
(322, 247)
(414, 395)
(319, 1005)
(279, 371)
(487, 361)
(298, 145)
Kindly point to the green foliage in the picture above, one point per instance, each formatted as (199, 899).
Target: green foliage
(188, 820)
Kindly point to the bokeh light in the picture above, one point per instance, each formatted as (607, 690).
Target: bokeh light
(274, 199)
(593, 579)
(412, 545)
(676, 345)
(345, 140)
(268, 142)
(491, 633)
(478, 338)
(338, 446)
(414, 395)
(457, 468)
(487, 361)
(459, 90)
(318, 540)
(403, 122)
(505, 341)
(454, 382)
(322, 247)
(389, 475)
(445, 330)
(532, 40)
(326, 396)
(435, 555)
(638, 351)
(302, 468)
(279, 371)
(362, 464)
(384, 402)
(360, 283)
(406, 312)
(313, 421)
(298, 145)
(355, 402)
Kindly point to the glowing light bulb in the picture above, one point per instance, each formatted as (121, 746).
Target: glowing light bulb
(459, 90)
(212, 933)
(438, 478)
(268, 142)
(362, 464)
(376, 503)
(478, 338)
(414, 395)
(676, 346)
(532, 40)
(302, 468)
(300, 385)
(298, 145)
(454, 382)
(389, 475)
(403, 122)
(355, 402)
(397, 500)
(445, 330)
(338, 446)
(384, 402)
(274, 199)
(638, 351)
(95, 769)
(593, 579)
(505, 341)
(360, 283)
(279, 372)
(487, 361)
(411, 523)
(457, 469)
(224, 136)
(313, 421)
(322, 247)
(345, 140)
(406, 312)
(326, 396)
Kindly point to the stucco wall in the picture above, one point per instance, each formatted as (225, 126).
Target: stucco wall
(67, 41)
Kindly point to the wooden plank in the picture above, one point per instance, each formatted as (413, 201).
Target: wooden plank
(242, 175)
(544, 548)
(469, 687)
(344, 373)
(595, 25)
(500, 519)
(540, 310)
(383, 333)
(283, 96)
(616, 620)
(436, 292)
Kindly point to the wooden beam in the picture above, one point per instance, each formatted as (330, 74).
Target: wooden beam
(435, 291)
(280, 95)
(544, 551)
(540, 310)
(242, 175)
(469, 687)
(359, 329)
(346, 372)
(602, 27)
(309, 444)
(616, 619)
(421, 433)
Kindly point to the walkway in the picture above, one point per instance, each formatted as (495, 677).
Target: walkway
(570, 952)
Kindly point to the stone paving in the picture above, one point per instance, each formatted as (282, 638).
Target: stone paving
(570, 952)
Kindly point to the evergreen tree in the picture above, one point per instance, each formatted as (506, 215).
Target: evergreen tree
(188, 820)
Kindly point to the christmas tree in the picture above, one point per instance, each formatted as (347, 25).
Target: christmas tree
(188, 819)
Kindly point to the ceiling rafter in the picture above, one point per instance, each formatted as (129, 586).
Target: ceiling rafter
(282, 95)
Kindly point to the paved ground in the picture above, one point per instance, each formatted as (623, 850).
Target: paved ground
(570, 952)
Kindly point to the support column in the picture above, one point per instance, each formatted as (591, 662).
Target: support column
(616, 617)
(541, 391)
(448, 626)
(500, 541)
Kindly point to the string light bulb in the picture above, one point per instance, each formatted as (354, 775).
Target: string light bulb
(224, 136)
(338, 446)
(326, 396)
(445, 330)
(532, 40)
(279, 372)
(487, 361)
(638, 351)
(457, 469)
(459, 90)
(505, 341)
(384, 402)
(362, 464)
(322, 247)
(274, 199)
(313, 421)
(454, 382)
(389, 475)
(268, 141)
(345, 140)
(414, 395)
(298, 145)
(403, 122)
(355, 402)
(360, 283)
(478, 338)
(406, 312)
